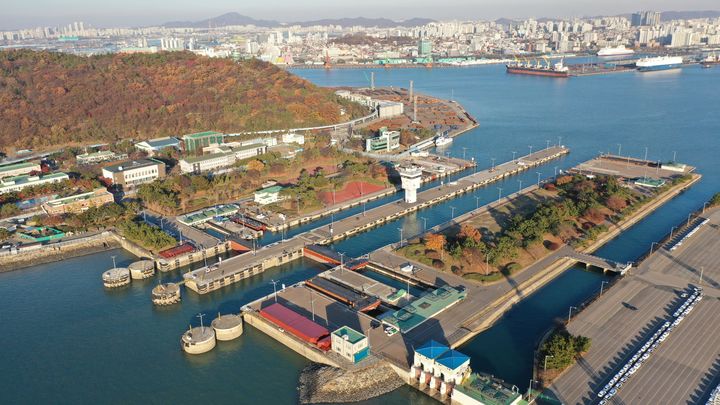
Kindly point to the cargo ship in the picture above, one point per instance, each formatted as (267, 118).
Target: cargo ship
(659, 63)
(615, 51)
(538, 69)
(710, 61)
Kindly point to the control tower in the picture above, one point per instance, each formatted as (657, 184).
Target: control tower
(411, 180)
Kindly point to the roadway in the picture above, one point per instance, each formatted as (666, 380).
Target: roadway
(682, 370)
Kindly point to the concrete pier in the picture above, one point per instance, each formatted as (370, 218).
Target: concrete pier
(142, 269)
(166, 294)
(227, 327)
(198, 340)
(116, 277)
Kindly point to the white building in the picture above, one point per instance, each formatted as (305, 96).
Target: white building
(411, 178)
(268, 195)
(439, 367)
(18, 169)
(207, 163)
(17, 183)
(136, 172)
(350, 344)
(293, 138)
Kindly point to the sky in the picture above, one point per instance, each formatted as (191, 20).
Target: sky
(129, 13)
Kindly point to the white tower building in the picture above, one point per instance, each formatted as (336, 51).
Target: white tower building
(411, 180)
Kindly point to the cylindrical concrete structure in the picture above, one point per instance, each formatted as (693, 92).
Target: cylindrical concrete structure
(198, 340)
(228, 327)
(166, 294)
(142, 269)
(116, 277)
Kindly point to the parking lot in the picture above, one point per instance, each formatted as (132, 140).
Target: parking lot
(683, 369)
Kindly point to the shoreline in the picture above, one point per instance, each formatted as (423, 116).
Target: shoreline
(56, 254)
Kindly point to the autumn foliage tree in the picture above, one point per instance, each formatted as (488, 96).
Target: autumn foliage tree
(435, 242)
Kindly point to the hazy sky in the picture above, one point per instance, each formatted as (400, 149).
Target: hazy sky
(104, 13)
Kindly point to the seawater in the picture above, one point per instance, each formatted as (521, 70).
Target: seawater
(68, 340)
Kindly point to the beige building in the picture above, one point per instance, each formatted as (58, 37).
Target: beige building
(133, 173)
(78, 203)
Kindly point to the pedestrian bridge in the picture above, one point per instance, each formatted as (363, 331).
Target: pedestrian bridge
(599, 262)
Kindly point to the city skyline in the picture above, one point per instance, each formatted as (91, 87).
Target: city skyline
(134, 13)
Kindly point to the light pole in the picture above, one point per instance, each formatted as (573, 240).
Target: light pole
(688, 221)
(671, 232)
(560, 141)
(674, 156)
(401, 236)
(705, 205)
(531, 148)
(520, 186)
(201, 315)
(619, 149)
(570, 312)
(653, 245)
(646, 151)
(424, 224)
(514, 152)
(547, 144)
(477, 202)
(602, 284)
(538, 182)
(702, 270)
(342, 263)
(530, 390)
(545, 365)
(113, 259)
(499, 193)
(492, 168)
(452, 212)
(274, 283)
(556, 168)
(464, 149)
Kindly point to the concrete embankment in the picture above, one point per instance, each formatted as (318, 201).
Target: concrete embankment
(58, 251)
(324, 384)
(495, 311)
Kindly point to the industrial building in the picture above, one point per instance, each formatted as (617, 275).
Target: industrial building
(17, 183)
(94, 158)
(386, 141)
(152, 146)
(388, 109)
(78, 203)
(195, 142)
(133, 173)
(18, 169)
(350, 344)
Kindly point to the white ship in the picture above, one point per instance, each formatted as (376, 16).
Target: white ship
(615, 51)
(659, 63)
(443, 140)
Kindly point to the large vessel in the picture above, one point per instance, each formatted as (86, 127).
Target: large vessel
(538, 69)
(615, 51)
(659, 63)
(443, 140)
(711, 60)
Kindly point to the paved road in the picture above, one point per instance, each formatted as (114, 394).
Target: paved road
(682, 370)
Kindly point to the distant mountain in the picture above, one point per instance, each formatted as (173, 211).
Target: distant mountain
(367, 22)
(239, 19)
(224, 20)
(688, 15)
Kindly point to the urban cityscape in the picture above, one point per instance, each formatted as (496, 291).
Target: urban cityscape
(350, 209)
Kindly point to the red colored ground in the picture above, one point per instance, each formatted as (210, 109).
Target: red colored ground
(351, 191)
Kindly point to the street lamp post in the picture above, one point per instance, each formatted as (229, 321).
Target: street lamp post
(704, 205)
(538, 182)
(671, 232)
(560, 141)
(274, 283)
(545, 365)
(492, 168)
(464, 149)
(602, 284)
(530, 390)
(619, 149)
(514, 152)
(477, 202)
(688, 221)
(452, 212)
(424, 224)
(401, 236)
(570, 312)
(520, 186)
(556, 169)
(531, 148)
(652, 245)
(499, 193)
(547, 144)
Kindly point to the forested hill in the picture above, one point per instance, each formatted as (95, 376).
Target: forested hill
(51, 99)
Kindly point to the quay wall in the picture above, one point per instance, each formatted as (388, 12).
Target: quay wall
(495, 311)
(53, 252)
(175, 263)
(297, 346)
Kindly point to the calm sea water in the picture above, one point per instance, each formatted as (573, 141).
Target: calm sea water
(67, 340)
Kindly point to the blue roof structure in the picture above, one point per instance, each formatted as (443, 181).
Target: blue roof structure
(432, 349)
(452, 359)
